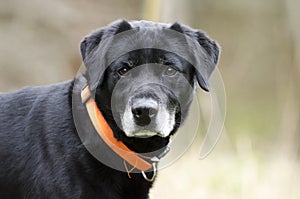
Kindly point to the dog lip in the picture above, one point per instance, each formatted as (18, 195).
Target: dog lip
(145, 134)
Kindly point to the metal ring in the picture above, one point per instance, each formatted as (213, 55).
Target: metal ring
(153, 176)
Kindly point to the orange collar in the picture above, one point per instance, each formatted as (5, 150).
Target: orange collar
(106, 134)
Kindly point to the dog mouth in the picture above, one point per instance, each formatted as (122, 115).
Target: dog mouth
(145, 134)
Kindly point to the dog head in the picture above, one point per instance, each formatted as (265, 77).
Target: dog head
(144, 77)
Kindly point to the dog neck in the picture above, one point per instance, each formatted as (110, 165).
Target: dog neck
(137, 161)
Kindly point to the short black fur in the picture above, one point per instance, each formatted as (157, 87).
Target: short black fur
(41, 153)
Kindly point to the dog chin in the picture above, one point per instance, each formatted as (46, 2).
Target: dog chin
(145, 134)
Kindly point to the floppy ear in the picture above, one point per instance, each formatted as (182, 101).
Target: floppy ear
(211, 49)
(90, 42)
(91, 55)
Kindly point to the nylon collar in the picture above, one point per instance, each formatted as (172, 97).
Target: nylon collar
(105, 132)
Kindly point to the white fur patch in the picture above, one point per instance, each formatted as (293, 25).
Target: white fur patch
(162, 125)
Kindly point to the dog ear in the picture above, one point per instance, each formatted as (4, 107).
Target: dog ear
(211, 49)
(177, 27)
(90, 42)
(211, 46)
(90, 52)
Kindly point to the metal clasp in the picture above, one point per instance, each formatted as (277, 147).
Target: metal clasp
(154, 173)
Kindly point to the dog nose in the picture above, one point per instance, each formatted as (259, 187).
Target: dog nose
(143, 115)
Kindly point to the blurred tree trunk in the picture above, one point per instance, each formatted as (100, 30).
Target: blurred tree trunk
(176, 11)
(291, 111)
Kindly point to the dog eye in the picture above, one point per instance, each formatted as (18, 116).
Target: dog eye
(123, 70)
(170, 71)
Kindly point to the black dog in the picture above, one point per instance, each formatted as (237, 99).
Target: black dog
(142, 76)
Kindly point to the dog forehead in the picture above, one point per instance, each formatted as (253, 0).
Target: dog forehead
(149, 55)
(149, 36)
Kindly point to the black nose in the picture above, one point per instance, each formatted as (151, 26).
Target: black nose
(143, 115)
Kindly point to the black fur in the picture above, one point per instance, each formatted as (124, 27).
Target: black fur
(40, 152)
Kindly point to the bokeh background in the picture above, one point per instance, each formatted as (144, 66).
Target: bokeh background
(258, 153)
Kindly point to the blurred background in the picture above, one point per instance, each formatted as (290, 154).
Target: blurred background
(258, 154)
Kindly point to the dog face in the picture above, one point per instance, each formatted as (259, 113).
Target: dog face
(149, 89)
(144, 78)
